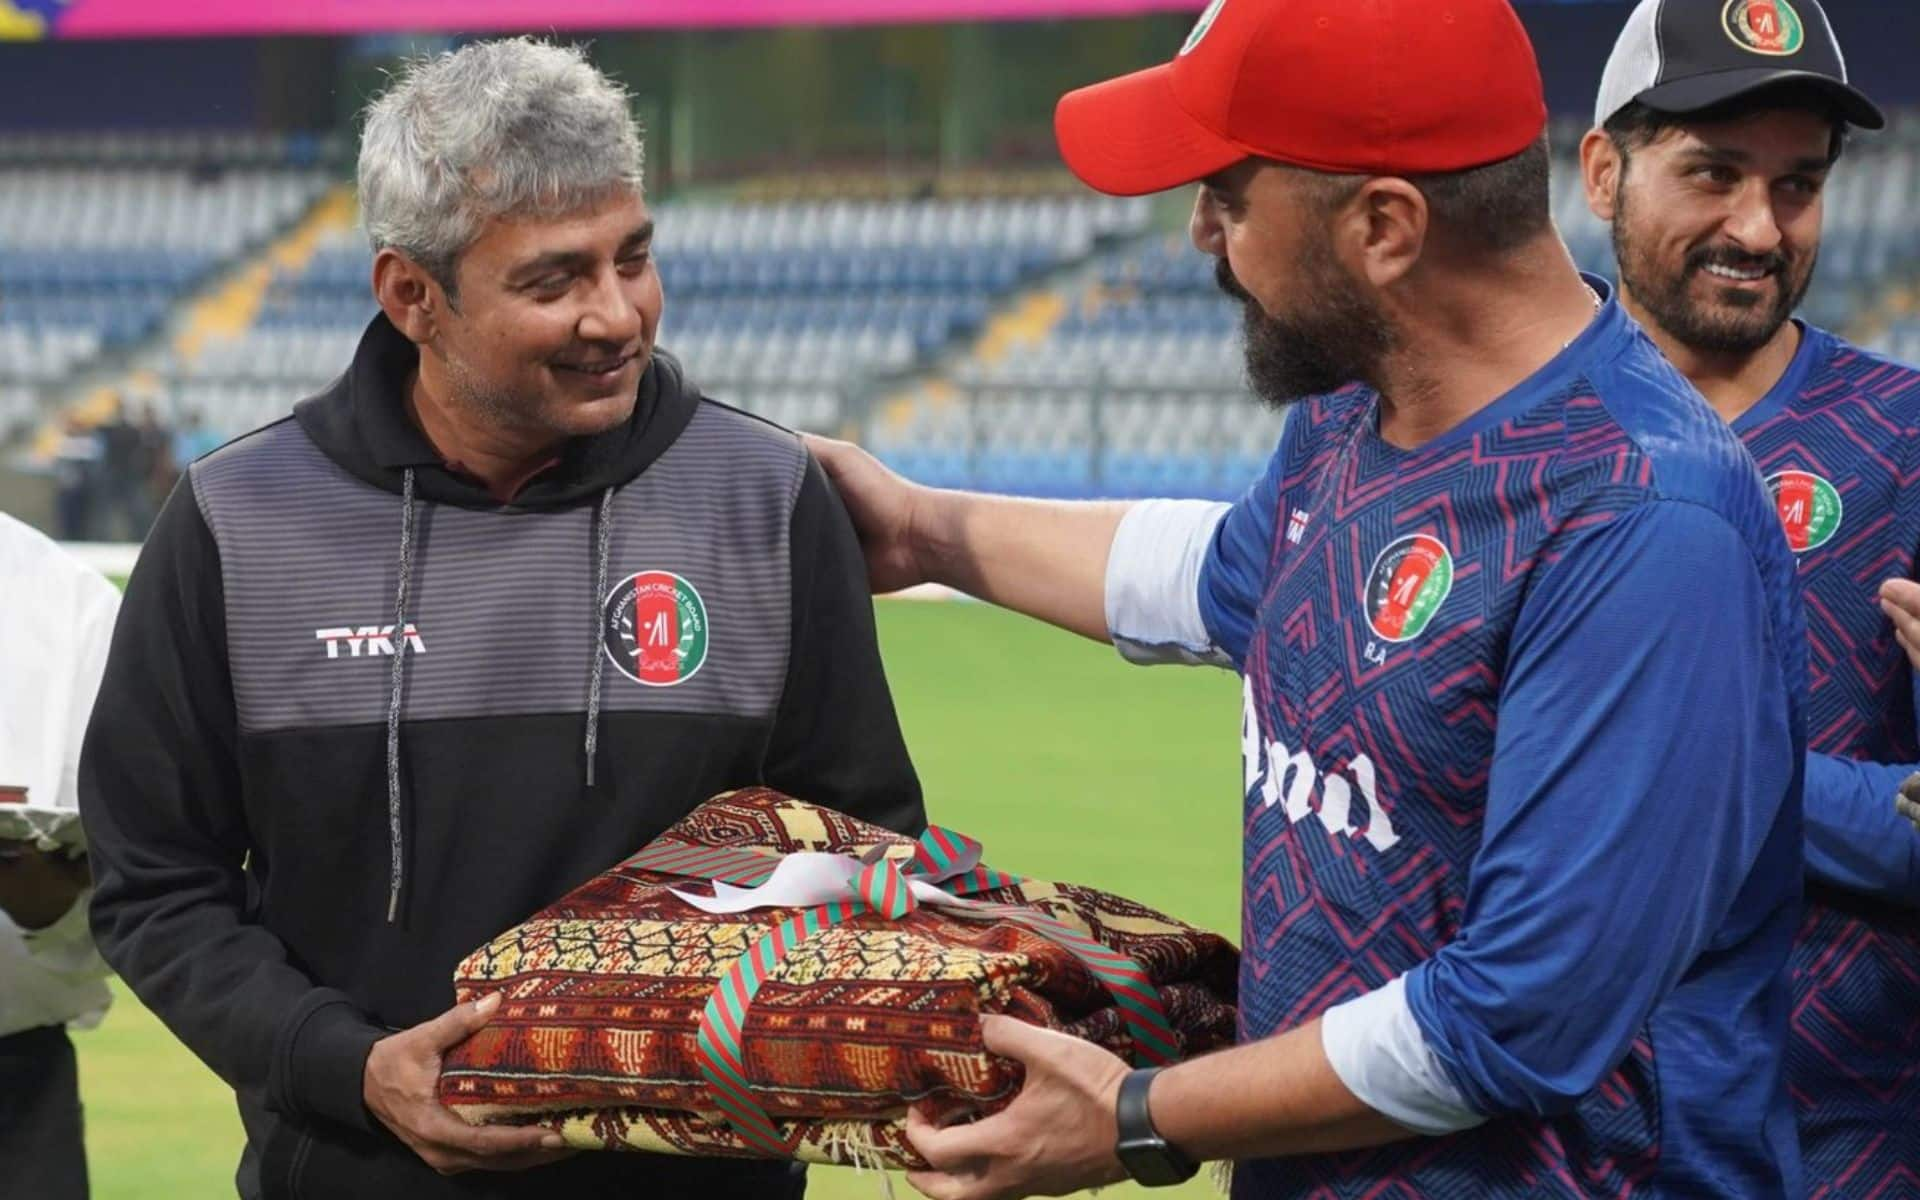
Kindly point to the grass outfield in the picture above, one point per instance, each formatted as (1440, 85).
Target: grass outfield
(1063, 760)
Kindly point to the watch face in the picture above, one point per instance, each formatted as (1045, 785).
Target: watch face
(1153, 1163)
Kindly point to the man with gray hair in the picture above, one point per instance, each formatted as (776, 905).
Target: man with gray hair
(324, 768)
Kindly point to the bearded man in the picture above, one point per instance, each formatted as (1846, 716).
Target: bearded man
(1522, 652)
(1715, 134)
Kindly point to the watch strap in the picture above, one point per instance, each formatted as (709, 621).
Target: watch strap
(1146, 1155)
(1130, 1112)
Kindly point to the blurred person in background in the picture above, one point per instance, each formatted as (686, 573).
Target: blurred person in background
(125, 476)
(472, 625)
(58, 615)
(192, 440)
(76, 481)
(156, 462)
(1522, 655)
(1713, 142)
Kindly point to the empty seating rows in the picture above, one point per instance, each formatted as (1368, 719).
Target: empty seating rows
(303, 357)
(177, 148)
(1899, 340)
(68, 208)
(746, 358)
(864, 270)
(120, 296)
(929, 321)
(1211, 361)
(1184, 315)
(1079, 442)
(229, 406)
(94, 258)
(816, 410)
(1068, 226)
(44, 356)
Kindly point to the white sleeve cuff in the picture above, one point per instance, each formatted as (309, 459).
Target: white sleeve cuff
(1378, 1051)
(1153, 582)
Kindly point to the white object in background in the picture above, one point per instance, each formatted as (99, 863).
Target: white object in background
(59, 617)
(113, 559)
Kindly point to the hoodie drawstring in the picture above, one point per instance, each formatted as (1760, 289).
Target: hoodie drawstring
(393, 703)
(602, 547)
(602, 556)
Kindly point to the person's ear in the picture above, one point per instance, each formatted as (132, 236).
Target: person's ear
(1382, 230)
(412, 299)
(1602, 167)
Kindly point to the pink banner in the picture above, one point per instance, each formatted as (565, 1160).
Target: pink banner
(148, 18)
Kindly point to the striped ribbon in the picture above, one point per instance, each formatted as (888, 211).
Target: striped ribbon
(942, 858)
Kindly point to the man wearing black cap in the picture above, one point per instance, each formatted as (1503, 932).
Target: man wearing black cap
(1522, 649)
(1716, 128)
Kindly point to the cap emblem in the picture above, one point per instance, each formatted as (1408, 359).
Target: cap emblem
(1764, 26)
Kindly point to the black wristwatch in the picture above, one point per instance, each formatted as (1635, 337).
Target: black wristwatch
(1150, 1161)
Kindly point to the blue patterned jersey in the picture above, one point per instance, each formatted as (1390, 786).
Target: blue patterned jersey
(1838, 440)
(1523, 724)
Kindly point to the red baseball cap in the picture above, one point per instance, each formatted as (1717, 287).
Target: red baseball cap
(1374, 87)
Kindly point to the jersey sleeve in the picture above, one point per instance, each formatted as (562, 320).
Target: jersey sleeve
(1645, 786)
(1856, 838)
(1233, 575)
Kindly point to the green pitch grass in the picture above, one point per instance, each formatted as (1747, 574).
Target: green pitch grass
(1064, 761)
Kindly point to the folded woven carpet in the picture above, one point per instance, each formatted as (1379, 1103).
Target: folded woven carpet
(603, 992)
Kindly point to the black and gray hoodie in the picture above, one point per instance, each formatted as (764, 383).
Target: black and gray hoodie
(359, 717)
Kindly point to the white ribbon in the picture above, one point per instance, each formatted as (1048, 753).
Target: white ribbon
(810, 878)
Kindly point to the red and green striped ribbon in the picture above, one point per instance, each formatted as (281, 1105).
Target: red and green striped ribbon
(946, 859)
(727, 863)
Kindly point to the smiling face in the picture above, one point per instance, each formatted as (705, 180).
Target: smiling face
(554, 320)
(1716, 225)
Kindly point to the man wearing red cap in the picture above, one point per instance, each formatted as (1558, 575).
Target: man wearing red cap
(1522, 649)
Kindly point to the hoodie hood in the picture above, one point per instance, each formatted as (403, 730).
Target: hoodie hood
(360, 422)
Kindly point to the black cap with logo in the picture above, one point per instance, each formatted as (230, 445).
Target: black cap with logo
(1685, 56)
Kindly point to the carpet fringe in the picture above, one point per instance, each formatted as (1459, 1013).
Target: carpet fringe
(858, 1149)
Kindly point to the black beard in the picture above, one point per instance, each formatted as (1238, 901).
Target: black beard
(1749, 325)
(1289, 359)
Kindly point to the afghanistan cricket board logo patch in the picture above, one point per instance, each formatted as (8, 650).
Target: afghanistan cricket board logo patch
(1809, 508)
(1409, 580)
(654, 627)
(1764, 26)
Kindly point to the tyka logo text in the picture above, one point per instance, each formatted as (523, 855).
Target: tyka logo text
(367, 641)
